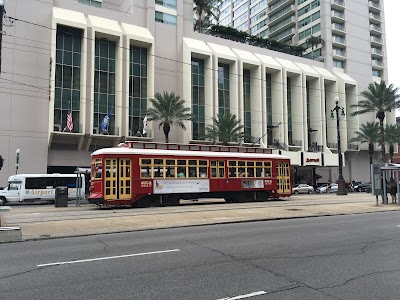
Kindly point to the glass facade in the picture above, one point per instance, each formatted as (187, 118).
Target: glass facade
(104, 85)
(68, 72)
(165, 18)
(137, 89)
(247, 106)
(269, 106)
(198, 99)
(94, 3)
(289, 110)
(167, 3)
(223, 89)
(308, 112)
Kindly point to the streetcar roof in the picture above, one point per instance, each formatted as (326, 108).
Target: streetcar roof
(166, 152)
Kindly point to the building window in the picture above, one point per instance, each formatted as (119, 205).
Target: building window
(247, 106)
(165, 18)
(376, 73)
(167, 3)
(104, 85)
(95, 3)
(198, 99)
(308, 112)
(223, 89)
(67, 92)
(137, 89)
(289, 110)
(269, 106)
(338, 64)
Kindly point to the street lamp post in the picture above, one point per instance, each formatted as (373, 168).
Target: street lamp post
(341, 184)
(17, 161)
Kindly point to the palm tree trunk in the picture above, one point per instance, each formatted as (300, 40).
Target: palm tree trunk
(391, 152)
(166, 129)
(371, 152)
(382, 133)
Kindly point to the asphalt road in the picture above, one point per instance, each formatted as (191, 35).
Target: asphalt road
(341, 257)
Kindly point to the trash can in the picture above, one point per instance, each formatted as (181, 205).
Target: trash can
(61, 197)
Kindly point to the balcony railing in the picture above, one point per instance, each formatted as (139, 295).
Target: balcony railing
(353, 147)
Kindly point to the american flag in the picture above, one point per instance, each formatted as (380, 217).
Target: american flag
(70, 124)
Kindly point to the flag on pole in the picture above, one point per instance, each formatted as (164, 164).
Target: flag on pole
(145, 125)
(70, 124)
(105, 122)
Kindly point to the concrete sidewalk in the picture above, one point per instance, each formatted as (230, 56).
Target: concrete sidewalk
(46, 221)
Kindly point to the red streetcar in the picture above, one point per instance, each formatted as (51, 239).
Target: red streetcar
(142, 177)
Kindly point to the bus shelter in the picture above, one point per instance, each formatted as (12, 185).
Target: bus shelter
(381, 174)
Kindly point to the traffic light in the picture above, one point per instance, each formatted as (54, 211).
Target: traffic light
(1, 161)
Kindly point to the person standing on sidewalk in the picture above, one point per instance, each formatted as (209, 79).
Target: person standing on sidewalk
(393, 189)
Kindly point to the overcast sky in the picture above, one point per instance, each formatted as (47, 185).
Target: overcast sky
(392, 26)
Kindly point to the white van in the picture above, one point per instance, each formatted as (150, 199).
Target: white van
(40, 187)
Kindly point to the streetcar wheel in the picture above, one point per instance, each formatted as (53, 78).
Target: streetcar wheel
(228, 200)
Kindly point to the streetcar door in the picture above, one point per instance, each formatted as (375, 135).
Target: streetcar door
(283, 178)
(217, 175)
(117, 181)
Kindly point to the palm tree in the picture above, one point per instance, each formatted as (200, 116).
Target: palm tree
(204, 10)
(379, 99)
(169, 109)
(225, 129)
(392, 136)
(313, 42)
(369, 133)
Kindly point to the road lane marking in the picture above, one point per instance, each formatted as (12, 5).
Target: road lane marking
(245, 296)
(105, 258)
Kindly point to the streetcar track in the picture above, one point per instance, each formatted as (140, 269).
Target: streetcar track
(12, 219)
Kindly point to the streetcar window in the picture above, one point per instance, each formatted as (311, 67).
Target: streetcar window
(158, 172)
(181, 162)
(267, 168)
(203, 162)
(145, 172)
(171, 162)
(203, 172)
(193, 162)
(221, 169)
(96, 169)
(158, 162)
(193, 172)
(145, 161)
(250, 169)
(232, 169)
(259, 172)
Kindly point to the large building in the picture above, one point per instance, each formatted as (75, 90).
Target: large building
(108, 58)
(346, 27)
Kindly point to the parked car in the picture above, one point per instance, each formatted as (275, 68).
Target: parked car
(322, 188)
(302, 189)
(361, 187)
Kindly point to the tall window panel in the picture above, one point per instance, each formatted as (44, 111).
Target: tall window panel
(68, 72)
(223, 89)
(104, 84)
(247, 106)
(308, 113)
(289, 111)
(269, 107)
(198, 101)
(137, 89)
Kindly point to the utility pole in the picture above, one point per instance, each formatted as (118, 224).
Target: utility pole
(2, 2)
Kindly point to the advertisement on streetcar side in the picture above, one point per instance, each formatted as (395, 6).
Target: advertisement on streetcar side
(181, 186)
